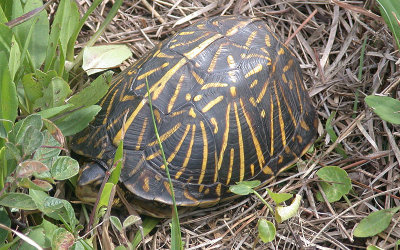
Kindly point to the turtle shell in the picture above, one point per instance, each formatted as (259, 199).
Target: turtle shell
(229, 103)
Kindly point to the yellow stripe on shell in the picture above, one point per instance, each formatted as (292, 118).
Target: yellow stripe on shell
(257, 146)
(128, 122)
(212, 104)
(251, 38)
(254, 70)
(177, 148)
(281, 122)
(214, 85)
(240, 140)
(175, 95)
(188, 154)
(225, 137)
(230, 169)
(205, 152)
(166, 135)
(152, 71)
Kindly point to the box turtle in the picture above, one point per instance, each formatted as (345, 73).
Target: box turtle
(229, 103)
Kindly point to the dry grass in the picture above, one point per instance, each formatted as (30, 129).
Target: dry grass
(329, 49)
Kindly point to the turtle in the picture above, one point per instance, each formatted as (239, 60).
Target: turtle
(229, 103)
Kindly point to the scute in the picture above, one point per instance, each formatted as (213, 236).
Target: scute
(230, 106)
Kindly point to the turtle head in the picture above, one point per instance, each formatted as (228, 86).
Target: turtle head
(89, 182)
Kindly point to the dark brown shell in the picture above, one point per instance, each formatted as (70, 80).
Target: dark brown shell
(230, 105)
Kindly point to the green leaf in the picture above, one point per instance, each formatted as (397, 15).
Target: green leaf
(62, 239)
(48, 113)
(266, 230)
(285, 213)
(54, 208)
(8, 95)
(12, 152)
(118, 159)
(19, 131)
(340, 183)
(17, 200)
(15, 58)
(375, 222)
(149, 223)
(332, 134)
(132, 219)
(36, 234)
(105, 195)
(244, 187)
(54, 95)
(5, 40)
(64, 168)
(50, 149)
(100, 58)
(93, 93)
(64, 24)
(31, 141)
(371, 247)
(116, 223)
(385, 107)
(76, 121)
(279, 197)
(390, 11)
(32, 87)
(5, 220)
(40, 33)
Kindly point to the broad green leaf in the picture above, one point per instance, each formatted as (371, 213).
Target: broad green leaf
(116, 223)
(62, 28)
(149, 223)
(62, 239)
(32, 141)
(375, 222)
(50, 149)
(76, 121)
(8, 95)
(100, 58)
(285, 213)
(37, 234)
(390, 11)
(40, 33)
(54, 95)
(32, 87)
(15, 58)
(19, 131)
(244, 187)
(5, 40)
(93, 93)
(279, 197)
(64, 168)
(13, 152)
(5, 220)
(385, 107)
(17, 200)
(266, 230)
(48, 113)
(54, 208)
(339, 183)
(132, 219)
